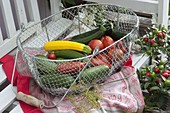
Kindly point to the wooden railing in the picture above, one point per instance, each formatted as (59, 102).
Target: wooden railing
(15, 14)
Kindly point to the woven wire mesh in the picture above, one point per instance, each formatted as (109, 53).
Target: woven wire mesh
(56, 76)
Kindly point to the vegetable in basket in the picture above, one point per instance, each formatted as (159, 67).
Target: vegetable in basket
(68, 54)
(94, 73)
(44, 66)
(94, 43)
(57, 81)
(63, 44)
(70, 67)
(90, 35)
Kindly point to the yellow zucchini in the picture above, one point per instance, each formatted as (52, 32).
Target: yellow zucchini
(63, 45)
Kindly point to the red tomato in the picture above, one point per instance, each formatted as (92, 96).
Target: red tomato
(103, 57)
(95, 43)
(120, 44)
(124, 49)
(51, 56)
(97, 62)
(118, 53)
(107, 40)
(110, 53)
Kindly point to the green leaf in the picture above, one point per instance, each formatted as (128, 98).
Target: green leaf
(70, 2)
(147, 85)
(157, 53)
(163, 78)
(138, 73)
(155, 88)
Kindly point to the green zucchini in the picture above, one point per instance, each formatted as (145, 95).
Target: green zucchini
(109, 27)
(44, 66)
(94, 73)
(57, 81)
(85, 34)
(117, 35)
(68, 54)
(88, 36)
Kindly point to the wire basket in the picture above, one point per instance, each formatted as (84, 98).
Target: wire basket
(57, 76)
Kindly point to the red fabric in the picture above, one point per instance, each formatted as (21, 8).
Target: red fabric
(128, 63)
(8, 63)
(23, 82)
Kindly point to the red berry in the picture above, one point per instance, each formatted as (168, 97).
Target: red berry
(152, 41)
(157, 70)
(145, 39)
(159, 80)
(165, 74)
(163, 34)
(161, 42)
(148, 74)
(166, 71)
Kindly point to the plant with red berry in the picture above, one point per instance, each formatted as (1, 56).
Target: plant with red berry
(155, 83)
(154, 42)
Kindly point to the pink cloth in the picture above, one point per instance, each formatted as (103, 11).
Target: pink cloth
(125, 94)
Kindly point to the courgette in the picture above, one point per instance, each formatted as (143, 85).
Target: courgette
(65, 44)
(68, 54)
(57, 81)
(117, 35)
(109, 27)
(88, 36)
(85, 34)
(94, 73)
(44, 66)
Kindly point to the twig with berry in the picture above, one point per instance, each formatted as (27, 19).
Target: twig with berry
(154, 42)
(155, 77)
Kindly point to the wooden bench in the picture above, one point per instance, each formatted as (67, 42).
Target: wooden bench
(8, 102)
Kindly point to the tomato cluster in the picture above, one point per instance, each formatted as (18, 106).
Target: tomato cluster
(114, 50)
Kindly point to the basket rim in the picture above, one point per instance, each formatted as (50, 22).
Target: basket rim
(18, 41)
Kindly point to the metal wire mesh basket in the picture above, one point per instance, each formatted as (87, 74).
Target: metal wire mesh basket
(57, 76)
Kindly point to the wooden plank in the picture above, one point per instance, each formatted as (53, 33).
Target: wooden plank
(7, 97)
(55, 9)
(17, 109)
(150, 6)
(33, 10)
(10, 44)
(55, 6)
(8, 17)
(140, 60)
(163, 8)
(1, 37)
(20, 10)
(2, 75)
